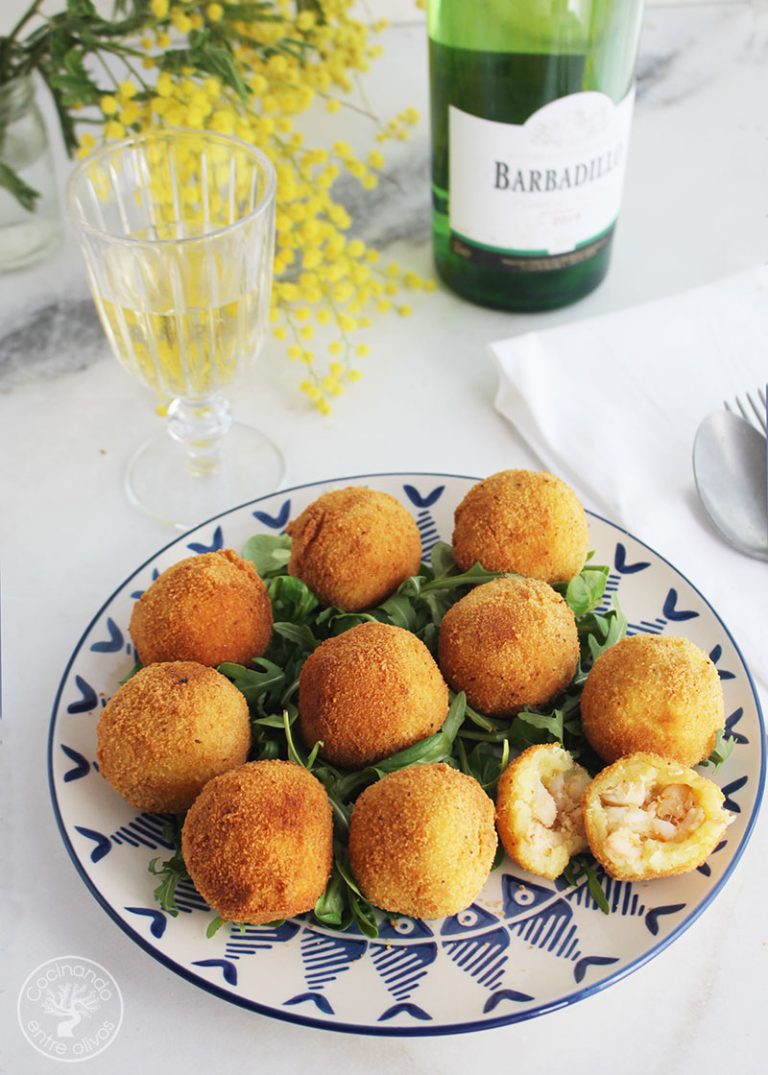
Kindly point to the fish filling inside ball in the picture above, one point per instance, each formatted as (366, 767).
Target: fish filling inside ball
(647, 816)
(539, 809)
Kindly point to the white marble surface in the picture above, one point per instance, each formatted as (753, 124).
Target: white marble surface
(695, 209)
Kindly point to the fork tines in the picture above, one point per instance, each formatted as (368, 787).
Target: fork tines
(754, 411)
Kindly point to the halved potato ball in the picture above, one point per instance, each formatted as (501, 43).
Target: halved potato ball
(167, 731)
(422, 841)
(208, 608)
(257, 842)
(509, 643)
(539, 809)
(525, 521)
(368, 693)
(353, 547)
(653, 693)
(647, 816)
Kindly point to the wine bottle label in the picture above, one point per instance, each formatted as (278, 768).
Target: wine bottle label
(542, 194)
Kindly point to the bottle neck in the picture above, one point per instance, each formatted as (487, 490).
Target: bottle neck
(543, 26)
(535, 27)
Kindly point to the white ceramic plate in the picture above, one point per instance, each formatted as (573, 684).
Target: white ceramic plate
(527, 946)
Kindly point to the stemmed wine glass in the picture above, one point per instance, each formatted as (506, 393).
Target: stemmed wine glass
(177, 231)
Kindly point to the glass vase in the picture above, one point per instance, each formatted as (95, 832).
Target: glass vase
(27, 235)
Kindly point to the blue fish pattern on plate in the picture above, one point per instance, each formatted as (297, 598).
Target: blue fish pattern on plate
(525, 947)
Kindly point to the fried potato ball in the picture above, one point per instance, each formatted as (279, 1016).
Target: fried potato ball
(647, 816)
(539, 809)
(509, 643)
(257, 842)
(167, 731)
(208, 608)
(525, 521)
(422, 841)
(653, 693)
(368, 693)
(353, 547)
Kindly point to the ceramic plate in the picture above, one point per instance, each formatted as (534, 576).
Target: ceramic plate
(526, 947)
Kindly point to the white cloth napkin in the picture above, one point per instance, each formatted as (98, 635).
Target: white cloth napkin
(612, 405)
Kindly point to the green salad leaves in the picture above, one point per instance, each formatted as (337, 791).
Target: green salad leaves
(478, 745)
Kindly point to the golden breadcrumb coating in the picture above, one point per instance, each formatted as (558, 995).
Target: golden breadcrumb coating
(258, 841)
(647, 816)
(422, 841)
(509, 643)
(539, 809)
(208, 608)
(654, 693)
(525, 521)
(167, 731)
(353, 547)
(368, 693)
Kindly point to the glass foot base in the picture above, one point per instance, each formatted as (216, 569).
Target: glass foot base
(159, 480)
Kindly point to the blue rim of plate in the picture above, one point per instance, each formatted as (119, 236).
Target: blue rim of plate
(420, 1031)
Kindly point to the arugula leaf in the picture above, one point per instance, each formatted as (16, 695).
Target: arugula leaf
(300, 633)
(336, 621)
(585, 865)
(264, 678)
(214, 926)
(171, 871)
(363, 914)
(476, 575)
(722, 749)
(585, 591)
(268, 553)
(485, 763)
(598, 632)
(331, 908)
(400, 612)
(294, 754)
(498, 858)
(292, 601)
(442, 560)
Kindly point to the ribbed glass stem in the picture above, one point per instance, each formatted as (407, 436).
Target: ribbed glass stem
(200, 425)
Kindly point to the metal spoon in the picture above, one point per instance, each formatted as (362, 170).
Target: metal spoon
(729, 465)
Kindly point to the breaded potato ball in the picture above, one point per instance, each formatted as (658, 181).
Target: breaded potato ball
(653, 693)
(422, 841)
(647, 816)
(208, 608)
(539, 809)
(368, 693)
(258, 841)
(353, 547)
(167, 731)
(509, 643)
(525, 521)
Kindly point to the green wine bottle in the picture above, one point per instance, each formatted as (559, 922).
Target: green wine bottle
(531, 104)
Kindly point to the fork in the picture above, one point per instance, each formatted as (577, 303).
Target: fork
(754, 411)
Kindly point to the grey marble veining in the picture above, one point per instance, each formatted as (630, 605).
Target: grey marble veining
(63, 336)
(683, 51)
(399, 207)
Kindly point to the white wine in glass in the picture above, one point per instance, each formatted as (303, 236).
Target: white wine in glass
(177, 231)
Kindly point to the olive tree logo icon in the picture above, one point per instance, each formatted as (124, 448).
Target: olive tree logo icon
(70, 1008)
(70, 1003)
